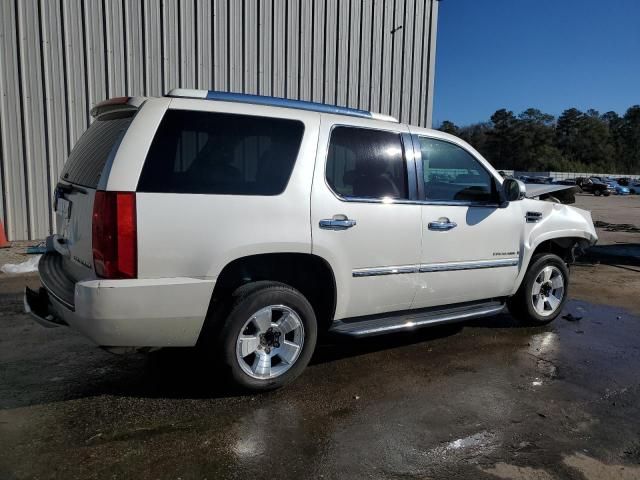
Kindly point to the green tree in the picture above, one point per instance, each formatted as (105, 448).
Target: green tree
(449, 127)
(501, 143)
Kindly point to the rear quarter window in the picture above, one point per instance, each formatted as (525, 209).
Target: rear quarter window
(89, 155)
(219, 153)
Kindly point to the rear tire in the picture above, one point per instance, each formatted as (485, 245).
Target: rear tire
(543, 291)
(268, 337)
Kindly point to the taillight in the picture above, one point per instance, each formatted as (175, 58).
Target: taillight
(114, 235)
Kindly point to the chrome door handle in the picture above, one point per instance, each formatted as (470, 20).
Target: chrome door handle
(442, 225)
(336, 224)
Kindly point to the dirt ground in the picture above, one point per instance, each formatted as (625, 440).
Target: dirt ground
(484, 400)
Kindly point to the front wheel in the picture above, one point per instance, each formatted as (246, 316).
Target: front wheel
(269, 335)
(597, 192)
(543, 291)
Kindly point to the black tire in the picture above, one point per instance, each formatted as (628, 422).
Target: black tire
(245, 302)
(597, 192)
(521, 304)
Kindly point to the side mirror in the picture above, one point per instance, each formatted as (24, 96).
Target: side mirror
(513, 189)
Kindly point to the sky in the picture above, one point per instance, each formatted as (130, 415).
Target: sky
(546, 54)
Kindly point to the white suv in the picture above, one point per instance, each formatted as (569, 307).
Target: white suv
(247, 225)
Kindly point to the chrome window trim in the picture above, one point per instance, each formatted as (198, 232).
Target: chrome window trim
(417, 202)
(435, 267)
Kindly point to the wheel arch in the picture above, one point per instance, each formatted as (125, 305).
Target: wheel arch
(564, 246)
(310, 274)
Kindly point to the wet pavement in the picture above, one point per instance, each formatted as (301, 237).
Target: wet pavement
(487, 399)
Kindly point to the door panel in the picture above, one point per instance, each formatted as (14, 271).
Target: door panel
(470, 240)
(374, 260)
(475, 260)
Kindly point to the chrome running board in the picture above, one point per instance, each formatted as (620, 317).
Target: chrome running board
(412, 319)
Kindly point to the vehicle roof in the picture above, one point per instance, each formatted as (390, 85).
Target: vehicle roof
(277, 102)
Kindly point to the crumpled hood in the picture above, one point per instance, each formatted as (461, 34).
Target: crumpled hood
(535, 190)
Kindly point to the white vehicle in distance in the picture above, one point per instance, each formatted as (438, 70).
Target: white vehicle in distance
(248, 225)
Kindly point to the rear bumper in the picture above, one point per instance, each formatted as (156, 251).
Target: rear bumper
(167, 312)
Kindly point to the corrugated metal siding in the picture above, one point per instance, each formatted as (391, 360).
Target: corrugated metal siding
(60, 57)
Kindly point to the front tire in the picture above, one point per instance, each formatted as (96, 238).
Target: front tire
(543, 292)
(597, 192)
(268, 337)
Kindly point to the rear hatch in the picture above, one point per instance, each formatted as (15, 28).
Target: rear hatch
(75, 192)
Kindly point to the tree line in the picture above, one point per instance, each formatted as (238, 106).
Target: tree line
(574, 142)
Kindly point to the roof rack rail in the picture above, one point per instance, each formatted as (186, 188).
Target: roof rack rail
(276, 102)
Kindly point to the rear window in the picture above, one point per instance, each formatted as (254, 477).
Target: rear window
(84, 165)
(219, 153)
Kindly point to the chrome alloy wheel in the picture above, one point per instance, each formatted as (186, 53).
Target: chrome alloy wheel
(270, 342)
(548, 291)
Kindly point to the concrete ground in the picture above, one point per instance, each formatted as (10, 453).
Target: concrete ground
(483, 400)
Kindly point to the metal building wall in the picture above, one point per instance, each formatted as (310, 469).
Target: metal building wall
(60, 57)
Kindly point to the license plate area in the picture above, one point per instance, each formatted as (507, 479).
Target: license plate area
(63, 208)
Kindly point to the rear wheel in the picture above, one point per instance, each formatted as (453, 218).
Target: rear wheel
(268, 337)
(543, 291)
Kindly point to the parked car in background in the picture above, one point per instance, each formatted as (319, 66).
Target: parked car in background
(634, 187)
(535, 179)
(248, 225)
(619, 189)
(595, 185)
(565, 182)
(624, 181)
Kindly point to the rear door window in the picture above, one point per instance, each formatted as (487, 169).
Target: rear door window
(366, 163)
(219, 153)
(88, 157)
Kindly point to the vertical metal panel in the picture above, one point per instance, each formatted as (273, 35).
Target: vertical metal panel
(153, 27)
(431, 51)
(356, 21)
(60, 57)
(250, 51)
(279, 66)
(204, 60)
(319, 47)
(293, 48)
(395, 74)
(364, 56)
(330, 50)
(236, 70)
(221, 53)
(387, 55)
(133, 44)
(187, 46)
(77, 107)
(416, 69)
(55, 94)
(13, 171)
(94, 36)
(171, 44)
(343, 47)
(306, 48)
(377, 54)
(407, 59)
(35, 149)
(265, 51)
(115, 48)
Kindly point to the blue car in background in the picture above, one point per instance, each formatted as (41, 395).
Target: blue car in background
(619, 189)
